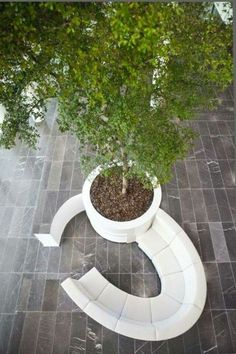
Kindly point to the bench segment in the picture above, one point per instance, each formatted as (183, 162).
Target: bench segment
(65, 213)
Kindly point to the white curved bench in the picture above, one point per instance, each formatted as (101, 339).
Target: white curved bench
(173, 312)
(65, 213)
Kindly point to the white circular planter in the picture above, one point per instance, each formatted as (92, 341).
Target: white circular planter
(118, 231)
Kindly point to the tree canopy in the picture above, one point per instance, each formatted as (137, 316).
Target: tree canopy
(105, 62)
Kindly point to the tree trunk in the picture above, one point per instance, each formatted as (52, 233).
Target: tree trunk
(125, 168)
(124, 184)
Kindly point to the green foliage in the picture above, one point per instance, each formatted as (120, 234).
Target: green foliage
(98, 59)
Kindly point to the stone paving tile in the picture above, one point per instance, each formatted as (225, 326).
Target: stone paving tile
(37, 316)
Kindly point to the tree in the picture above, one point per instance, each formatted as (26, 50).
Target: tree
(105, 62)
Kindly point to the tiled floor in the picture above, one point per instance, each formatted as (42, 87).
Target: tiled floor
(36, 314)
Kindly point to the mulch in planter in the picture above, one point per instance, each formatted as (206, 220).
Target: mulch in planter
(107, 198)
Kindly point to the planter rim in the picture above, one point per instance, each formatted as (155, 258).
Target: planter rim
(157, 194)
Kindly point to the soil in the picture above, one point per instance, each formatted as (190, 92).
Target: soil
(107, 198)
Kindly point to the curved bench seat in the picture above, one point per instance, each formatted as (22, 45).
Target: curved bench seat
(173, 312)
(65, 213)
